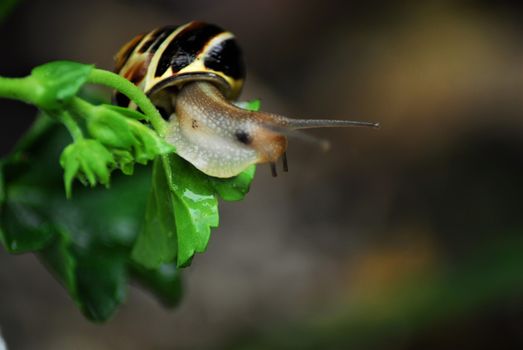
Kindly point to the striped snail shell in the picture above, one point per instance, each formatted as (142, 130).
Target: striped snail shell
(192, 73)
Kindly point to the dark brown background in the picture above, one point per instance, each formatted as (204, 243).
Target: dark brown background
(440, 180)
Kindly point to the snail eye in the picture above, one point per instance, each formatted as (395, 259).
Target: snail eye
(243, 137)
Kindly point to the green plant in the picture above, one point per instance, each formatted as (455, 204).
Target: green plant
(95, 240)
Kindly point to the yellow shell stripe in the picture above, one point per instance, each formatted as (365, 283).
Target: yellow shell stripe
(198, 64)
(150, 80)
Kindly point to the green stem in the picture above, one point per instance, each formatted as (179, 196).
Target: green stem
(22, 89)
(127, 88)
(72, 126)
(80, 107)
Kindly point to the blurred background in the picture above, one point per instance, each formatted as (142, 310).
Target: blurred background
(409, 237)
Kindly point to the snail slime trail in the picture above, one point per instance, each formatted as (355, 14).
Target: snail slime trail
(192, 73)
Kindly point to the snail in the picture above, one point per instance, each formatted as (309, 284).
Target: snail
(192, 73)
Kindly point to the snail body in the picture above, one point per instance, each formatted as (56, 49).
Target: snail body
(192, 73)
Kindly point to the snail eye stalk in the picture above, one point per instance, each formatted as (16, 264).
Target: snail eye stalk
(273, 170)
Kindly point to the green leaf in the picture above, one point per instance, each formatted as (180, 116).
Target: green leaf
(195, 208)
(157, 243)
(85, 241)
(28, 226)
(88, 160)
(58, 258)
(55, 83)
(182, 208)
(235, 188)
(253, 105)
(105, 270)
(164, 281)
(24, 224)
